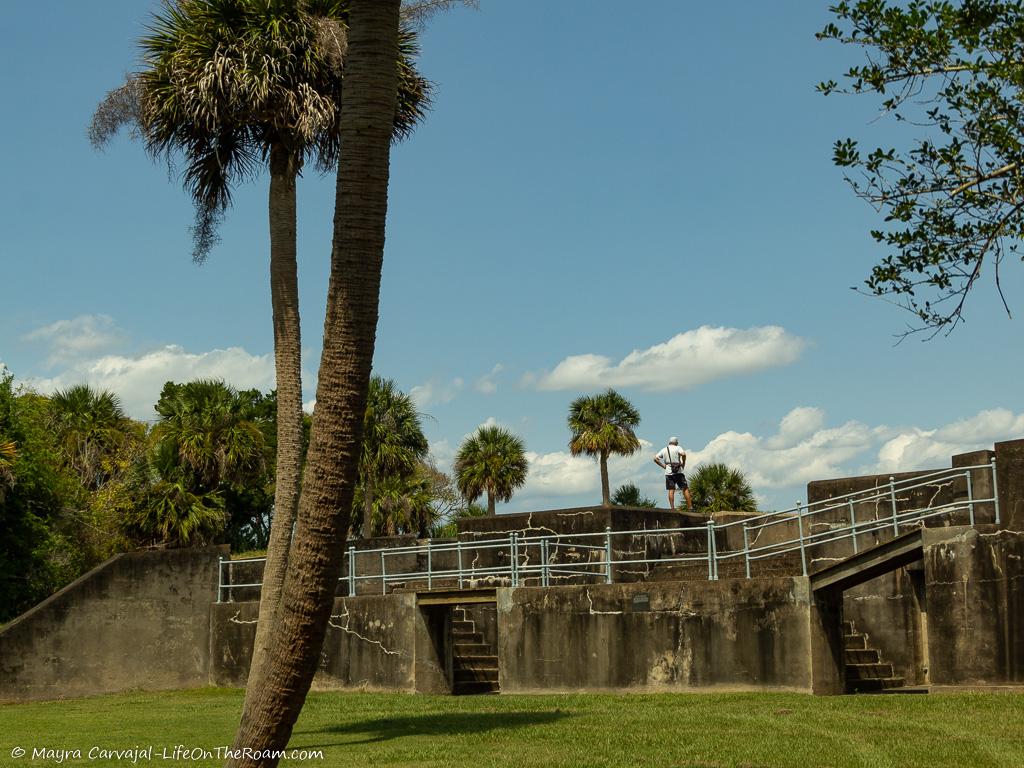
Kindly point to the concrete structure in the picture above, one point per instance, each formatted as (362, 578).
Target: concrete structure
(952, 617)
(139, 620)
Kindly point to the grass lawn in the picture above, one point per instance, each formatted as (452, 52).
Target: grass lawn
(590, 731)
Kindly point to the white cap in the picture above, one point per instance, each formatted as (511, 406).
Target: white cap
(673, 441)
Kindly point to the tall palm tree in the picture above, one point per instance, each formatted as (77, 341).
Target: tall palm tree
(491, 461)
(393, 442)
(230, 84)
(602, 425)
(716, 487)
(89, 425)
(325, 506)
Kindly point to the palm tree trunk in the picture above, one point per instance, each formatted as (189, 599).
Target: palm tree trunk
(490, 504)
(284, 293)
(606, 496)
(368, 506)
(325, 506)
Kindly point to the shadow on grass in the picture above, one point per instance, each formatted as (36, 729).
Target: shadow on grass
(448, 724)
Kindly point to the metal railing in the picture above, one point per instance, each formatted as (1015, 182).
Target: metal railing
(522, 558)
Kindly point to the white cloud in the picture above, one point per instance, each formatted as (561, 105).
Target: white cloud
(138, 380)
(485, 384)
(69, 340)
(685, 361)
(559, 473)
(435, 392)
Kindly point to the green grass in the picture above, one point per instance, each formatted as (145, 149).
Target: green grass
(590, 731)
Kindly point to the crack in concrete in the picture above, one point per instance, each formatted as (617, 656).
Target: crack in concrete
(592, 612)
(345, 628)
(235, 620)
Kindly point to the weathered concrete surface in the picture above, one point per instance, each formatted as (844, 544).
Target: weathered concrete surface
(1010, 478)
(371, 643)
(975, 590)
(139, 620)
(657, 636)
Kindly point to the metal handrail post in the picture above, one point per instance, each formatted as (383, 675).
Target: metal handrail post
(514, 558)
(746, 549)
(430, 572)
(711, 555)
(544, 577)
(607, 554)
(853, 526)
(383, 576)
(458, 551)
(970, 497)
(995, 490)
(351, 571)
(892, 496)
(800, 532)
(220, 579)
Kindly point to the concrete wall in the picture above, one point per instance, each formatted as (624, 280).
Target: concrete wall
(657, 636)
(975, 619)
(370, 643)
(139, 620)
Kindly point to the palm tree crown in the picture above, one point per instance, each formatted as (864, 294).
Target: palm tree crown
(90, 424)
(602, 425)
(491, 461)
(393, 442)
(717, 487)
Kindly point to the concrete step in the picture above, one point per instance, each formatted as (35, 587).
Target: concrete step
(874, 684)
(855, 642)
(848, 628)
(862, 656)
(476, 662)
(476, 675)
(471, 649)
(475, 687)
(463, 625)
(467, 637)
(868, 671)
(907, 689)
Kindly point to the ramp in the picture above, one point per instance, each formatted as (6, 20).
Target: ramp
(869, 564)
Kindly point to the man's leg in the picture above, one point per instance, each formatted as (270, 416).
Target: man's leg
(671, 498)
(689, 501)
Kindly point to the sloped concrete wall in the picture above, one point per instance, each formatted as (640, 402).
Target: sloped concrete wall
(657, 636)
(139, 620)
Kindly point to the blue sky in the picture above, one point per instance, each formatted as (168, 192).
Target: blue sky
(642, 200)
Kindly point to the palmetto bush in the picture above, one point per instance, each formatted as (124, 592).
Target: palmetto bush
(716, 487)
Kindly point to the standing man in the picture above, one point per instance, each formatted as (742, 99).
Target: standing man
(672, 459)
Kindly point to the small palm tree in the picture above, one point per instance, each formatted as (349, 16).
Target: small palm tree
(491, 461)
(602, 425)
(717, 487)
(393, 443)
(628, 495)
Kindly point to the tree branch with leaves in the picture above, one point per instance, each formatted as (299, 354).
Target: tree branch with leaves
(952, 200)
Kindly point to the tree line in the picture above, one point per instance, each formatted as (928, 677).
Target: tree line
(81, 481)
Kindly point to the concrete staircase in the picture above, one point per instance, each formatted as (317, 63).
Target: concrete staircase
(474, 660)
(865, 670)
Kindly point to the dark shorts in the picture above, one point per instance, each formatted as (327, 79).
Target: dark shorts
(677, 480)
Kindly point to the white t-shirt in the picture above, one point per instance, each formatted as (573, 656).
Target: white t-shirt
(669, 454)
